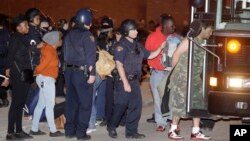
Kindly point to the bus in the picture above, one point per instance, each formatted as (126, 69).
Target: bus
(226, 71)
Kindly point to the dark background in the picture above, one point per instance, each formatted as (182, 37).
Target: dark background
(116, 9)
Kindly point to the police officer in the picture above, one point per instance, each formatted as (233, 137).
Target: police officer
(35, 34)
(129, 55)
(80, 57)
(34, 38)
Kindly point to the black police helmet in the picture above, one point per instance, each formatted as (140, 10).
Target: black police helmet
(84, 16)
(31, 13)
(127, 25)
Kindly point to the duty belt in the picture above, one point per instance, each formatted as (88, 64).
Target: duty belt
(75, 67)
(132, 77)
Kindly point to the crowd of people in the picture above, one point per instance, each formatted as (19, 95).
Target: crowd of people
(41, 61)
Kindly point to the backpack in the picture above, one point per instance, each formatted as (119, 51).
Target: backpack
(105, 63)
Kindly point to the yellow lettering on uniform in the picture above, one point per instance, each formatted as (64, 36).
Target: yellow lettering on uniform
(119, 48)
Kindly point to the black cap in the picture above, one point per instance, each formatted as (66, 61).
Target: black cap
(18, 19)
(106, 22)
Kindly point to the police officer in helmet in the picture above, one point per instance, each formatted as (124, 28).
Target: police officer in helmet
(129, 55)
(80, 56)
(35, 34)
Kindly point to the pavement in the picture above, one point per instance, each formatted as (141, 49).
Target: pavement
(219, 133)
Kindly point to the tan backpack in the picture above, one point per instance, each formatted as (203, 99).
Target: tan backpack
(105, 63)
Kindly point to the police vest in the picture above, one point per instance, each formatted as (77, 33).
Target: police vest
(34, 37)
(134, 58)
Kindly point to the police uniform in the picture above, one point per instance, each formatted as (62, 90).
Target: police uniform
(131, 56)
(79, 54)
(34, 38)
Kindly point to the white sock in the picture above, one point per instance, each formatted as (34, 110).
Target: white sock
(173, 127)
(195, 130)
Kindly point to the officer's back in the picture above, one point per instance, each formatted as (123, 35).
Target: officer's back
(74, 46)
(79, 55)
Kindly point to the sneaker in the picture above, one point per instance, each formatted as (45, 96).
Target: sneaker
(90, 131)
(160, 129)
(103, 123)
(39, 132)
(175, 135)
(152, 119)
(23, 135)
(56, 134)
(97, 123)
(200, 136)
(28, 117)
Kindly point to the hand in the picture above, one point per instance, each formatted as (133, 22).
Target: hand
(7, 72)
(127, 87)
(163, 45)
(34, 85)
(5, 83)
(91, 79)
(40, 45)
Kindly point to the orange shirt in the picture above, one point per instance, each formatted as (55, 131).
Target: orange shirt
(48, 62)
(153, 42)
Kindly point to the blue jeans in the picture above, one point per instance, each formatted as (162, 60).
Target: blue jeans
(46, 100)
(155, 79)
(92, 120)
(101, 100)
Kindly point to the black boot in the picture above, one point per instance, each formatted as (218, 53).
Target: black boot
(10, 136)
(23, 135)
(112, 133)
(136, 136)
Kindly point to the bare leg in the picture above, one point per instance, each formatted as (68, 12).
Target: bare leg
(173, 132)
(175, 120)
(196, 133)
(196, 122)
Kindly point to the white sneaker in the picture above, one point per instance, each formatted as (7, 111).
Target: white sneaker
(200, 136)
(90, 131)
(175, 135)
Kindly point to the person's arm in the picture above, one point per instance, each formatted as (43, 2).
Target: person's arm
(5, 81)
(182, 48)
(157, 52)
(122, 74)
(120, 55)
(90, 53)
(11, 54)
